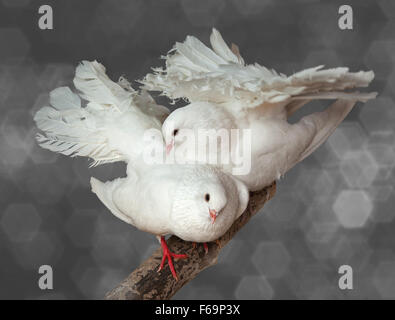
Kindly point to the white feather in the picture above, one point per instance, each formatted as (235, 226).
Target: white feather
(109, 128)
(232, 95)
(197, 73)
(220, 48)
(95, 86)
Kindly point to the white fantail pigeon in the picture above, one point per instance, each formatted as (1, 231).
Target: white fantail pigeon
(195, 202)
(226, 94)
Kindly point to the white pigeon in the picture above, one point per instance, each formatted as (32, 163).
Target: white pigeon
(225, 93)
(194, 202)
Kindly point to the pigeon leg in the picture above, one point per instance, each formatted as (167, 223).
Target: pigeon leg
(204, 245)
(167, 254)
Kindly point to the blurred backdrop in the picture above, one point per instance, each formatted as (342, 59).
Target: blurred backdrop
(335, 208)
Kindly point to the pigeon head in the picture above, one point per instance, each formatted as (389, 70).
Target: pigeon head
(202, 195)
(213, 201)
(186, 121)
(206, 203)
(174, 128)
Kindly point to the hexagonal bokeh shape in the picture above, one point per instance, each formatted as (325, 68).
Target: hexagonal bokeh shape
(45, 248)
(94, 281)
(378, 114)
(47, 183)
(322, 232)
(326, 157)
(39, 155)
(359, 168)
(381, 146)
(378, 57)
(348, 136)
(283, 209)
(308, 279)
(254, 287)
(380, 193)
(271, 259)
(86, 276)
(109, 279)
(320, 224)
(14, 128)
(229, 257)
(384, 198)
(13, 158)
(20, 222)
(351, 249)
(353, 208)
(313, 183)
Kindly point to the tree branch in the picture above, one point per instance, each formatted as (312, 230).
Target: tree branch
(146, 283)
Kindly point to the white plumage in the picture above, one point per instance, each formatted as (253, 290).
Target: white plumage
(170, 199)
(109, 128)
(157, 198)
(196, 202)
(198, 73)
(225, 93)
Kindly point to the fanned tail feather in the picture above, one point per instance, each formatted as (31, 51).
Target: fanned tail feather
(104, 191)
(72, 130)
(325, 123)
(111, 125)
(96, 87)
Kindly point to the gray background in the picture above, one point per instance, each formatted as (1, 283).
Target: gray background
(335, 208)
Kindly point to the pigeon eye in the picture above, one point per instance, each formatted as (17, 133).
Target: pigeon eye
(207, 197)
(175, 132)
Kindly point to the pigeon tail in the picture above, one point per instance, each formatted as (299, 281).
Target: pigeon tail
(104, 191)
(325, 123)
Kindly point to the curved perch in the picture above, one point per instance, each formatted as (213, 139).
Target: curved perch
(146, 283)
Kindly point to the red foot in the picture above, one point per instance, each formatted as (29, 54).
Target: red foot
(167, 254)
(204, 245)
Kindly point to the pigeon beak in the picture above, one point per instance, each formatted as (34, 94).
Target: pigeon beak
(213, 215)
(169, 147)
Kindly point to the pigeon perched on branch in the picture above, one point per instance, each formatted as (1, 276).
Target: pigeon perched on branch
(195, 202)
(224, 93)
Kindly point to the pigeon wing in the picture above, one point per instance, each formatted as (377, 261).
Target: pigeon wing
(198, 73)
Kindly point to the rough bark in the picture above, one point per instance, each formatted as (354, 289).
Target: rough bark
(146, 283)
